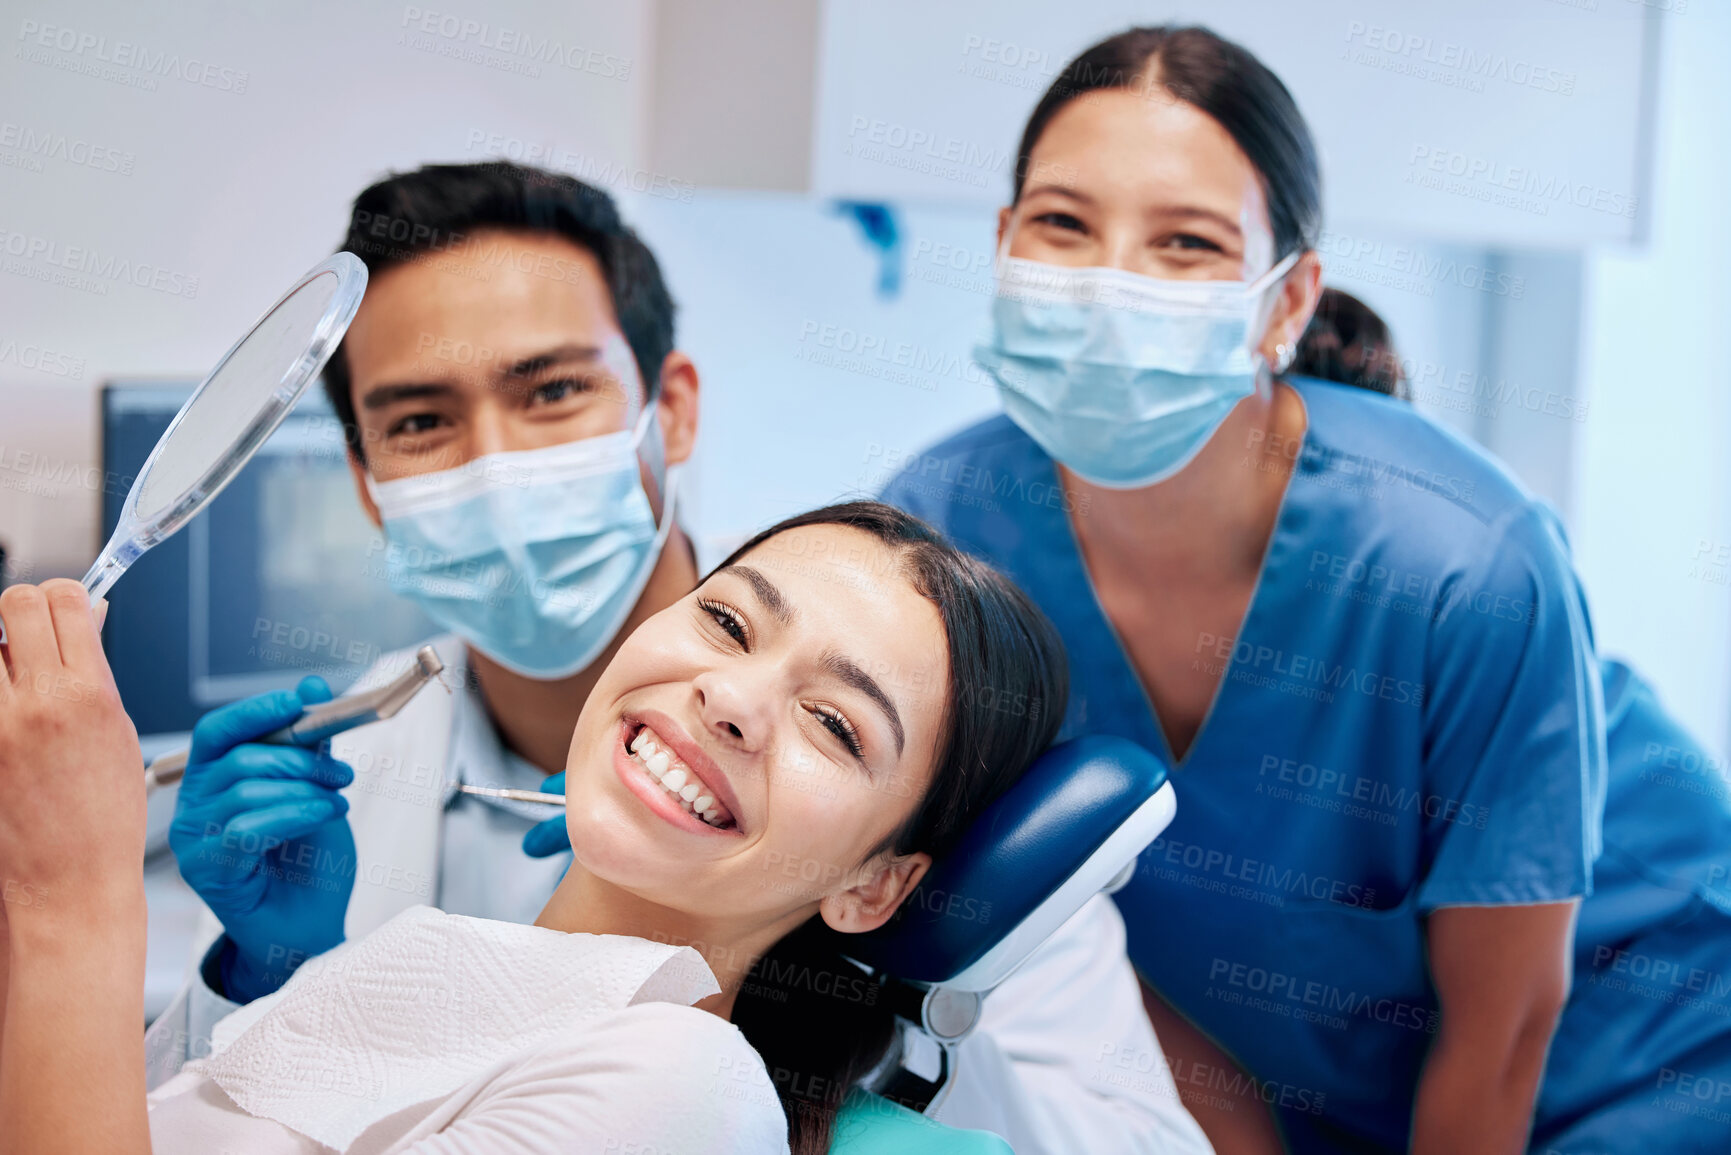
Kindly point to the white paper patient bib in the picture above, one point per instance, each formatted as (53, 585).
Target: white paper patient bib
(422, 1005)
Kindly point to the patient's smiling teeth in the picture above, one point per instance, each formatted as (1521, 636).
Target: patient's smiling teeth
(684, 787)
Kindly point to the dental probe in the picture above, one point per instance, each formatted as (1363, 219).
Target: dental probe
(513, 795)
(325, 719)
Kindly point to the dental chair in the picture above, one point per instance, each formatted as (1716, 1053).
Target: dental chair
(1072, 827)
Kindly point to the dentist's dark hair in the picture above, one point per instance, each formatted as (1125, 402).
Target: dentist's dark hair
(409, 216)
(819, 1022)
(1223, 80)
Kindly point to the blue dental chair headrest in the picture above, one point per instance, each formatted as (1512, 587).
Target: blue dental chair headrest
(1068, 827)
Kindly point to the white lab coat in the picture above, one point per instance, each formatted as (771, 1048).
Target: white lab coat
(1064, 1061)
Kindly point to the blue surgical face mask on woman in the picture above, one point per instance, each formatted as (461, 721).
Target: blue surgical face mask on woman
(1122, 377)
(534, 557)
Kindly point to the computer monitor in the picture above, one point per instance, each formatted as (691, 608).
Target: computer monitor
(282, 576)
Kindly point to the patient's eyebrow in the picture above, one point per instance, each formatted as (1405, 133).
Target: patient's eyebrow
(849, 673)
(766, 592)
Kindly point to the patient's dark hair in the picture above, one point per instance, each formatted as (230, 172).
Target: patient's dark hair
(819, 1022)
(1346, 341)
(408, 216)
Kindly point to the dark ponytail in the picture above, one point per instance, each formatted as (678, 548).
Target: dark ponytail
(1348, 342)
(1226, 82)
(818, 1021)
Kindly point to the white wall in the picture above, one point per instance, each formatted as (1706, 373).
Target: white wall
(1653, 517)
(733, 92)
(813, 384)
(228, 189)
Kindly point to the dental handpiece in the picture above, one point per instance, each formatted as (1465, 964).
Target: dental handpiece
(325, 719)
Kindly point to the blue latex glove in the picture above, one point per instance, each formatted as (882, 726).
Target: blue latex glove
(549, 837)
(260, 834)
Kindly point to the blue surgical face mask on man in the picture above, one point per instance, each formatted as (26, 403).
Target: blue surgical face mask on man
(533, 557)
(1122, 377)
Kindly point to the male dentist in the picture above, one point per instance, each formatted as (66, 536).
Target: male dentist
(516, 413)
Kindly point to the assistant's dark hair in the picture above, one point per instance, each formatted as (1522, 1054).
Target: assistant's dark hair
(409, 215)
(1226, 82)
(819, 1022)
(1346, 341)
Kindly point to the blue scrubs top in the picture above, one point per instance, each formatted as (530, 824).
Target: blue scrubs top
(1641, 1061)
(1410, 717)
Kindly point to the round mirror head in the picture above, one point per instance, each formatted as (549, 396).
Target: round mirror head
(245, 397)
(237, 406)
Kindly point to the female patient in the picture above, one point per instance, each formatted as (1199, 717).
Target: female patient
(808, 704)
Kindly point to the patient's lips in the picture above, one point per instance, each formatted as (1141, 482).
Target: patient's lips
(655, 754)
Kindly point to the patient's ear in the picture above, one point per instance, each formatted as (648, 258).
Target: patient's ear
(869, 905)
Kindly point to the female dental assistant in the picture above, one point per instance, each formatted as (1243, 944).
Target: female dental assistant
(1357, 639)
(1642, 1055)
